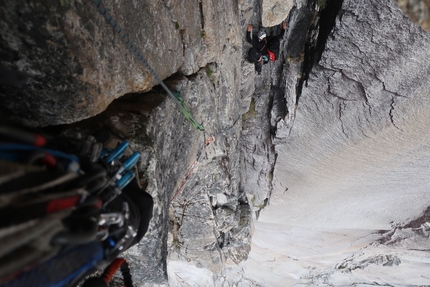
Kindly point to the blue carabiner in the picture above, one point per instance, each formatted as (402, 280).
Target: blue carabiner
(118, 152)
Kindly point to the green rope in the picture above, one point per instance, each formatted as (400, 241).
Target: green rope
(187, 113)
(177, 99)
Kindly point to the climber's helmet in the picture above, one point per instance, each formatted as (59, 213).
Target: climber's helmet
(261, 35)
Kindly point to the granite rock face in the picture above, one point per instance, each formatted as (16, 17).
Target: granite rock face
(273, 12)
(70, 64)
(266, 108)
(62, 62)
(352, 162)
(200, 217)
(300, 20)
(209, 218)
(387, 73)
(274, 156)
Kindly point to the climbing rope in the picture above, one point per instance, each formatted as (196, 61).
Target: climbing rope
(118, 263)
(175, 96)
(208, 141)
(177, 99)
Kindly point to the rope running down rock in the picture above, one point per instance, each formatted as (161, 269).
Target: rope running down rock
(175, 96)
(209, 140)
(135, 50)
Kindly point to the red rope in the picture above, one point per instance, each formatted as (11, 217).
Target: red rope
(209, 140)
(112, 268)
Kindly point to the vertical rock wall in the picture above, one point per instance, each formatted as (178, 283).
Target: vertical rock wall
(358, 132)
(353, 169)
(61, 63)
(201, 217)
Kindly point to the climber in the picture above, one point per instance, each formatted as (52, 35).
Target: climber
(256, 57)
(263, 48)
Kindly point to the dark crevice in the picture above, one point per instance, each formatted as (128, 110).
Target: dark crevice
(391, 92)
(277, 107)
(309, 55)
(221, 240)
(327, 20)
(391, 113)
(201, 15)
(137, 104)
(318, 33)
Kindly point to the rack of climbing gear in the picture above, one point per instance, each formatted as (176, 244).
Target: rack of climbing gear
(176, 98)
(54, 213)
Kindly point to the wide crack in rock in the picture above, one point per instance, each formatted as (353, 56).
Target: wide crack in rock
(217, 188)
(359, 131)
(209, 222)
(277, 92)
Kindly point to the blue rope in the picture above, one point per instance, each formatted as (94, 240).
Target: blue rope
(23, 147)
(134, 49)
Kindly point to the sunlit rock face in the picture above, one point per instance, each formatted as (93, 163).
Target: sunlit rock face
(353, 170)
